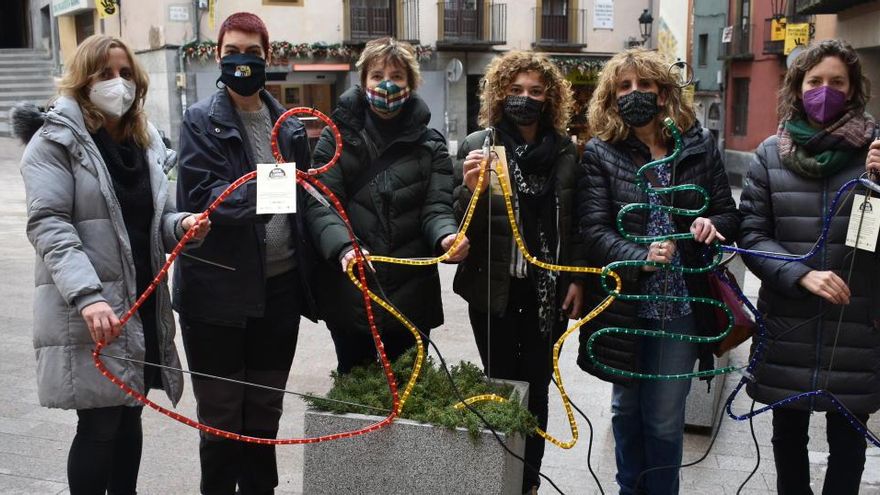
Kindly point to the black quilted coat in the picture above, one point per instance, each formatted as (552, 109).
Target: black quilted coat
(404, 211)
(609, 184)
(485, 262)
(783, 212)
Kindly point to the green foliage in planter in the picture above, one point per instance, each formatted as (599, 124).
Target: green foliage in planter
(432, 397)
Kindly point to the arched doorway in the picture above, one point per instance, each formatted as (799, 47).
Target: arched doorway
(14, 24)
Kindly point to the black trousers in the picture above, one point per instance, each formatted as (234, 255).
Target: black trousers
(356, 348)
(517, 350)
(106, 451)
(846, 458)
(261, 352)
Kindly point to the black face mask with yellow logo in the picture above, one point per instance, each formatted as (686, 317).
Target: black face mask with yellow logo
(243, 73)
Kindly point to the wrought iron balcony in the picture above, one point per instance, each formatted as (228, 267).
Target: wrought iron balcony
(739, 47)
(471, 24)
(813, 7)
(560, 32)
(371, 19)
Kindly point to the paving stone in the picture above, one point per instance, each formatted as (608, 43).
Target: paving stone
(21, 485)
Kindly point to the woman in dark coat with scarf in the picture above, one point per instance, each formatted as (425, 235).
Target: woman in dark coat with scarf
(518, 311)
(821, 313)
(635, 92)
(395, 180)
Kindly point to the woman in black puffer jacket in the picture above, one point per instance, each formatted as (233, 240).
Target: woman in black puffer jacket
(820, 313)
(634, 94)
(518, 311)
(395, 180)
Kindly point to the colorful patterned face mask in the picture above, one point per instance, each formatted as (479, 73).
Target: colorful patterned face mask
(387, 97)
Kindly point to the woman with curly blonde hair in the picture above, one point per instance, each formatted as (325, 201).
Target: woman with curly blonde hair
(526, 103)
(635, 92)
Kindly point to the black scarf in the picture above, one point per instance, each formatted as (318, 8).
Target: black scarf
(532, 169)
(130, 174)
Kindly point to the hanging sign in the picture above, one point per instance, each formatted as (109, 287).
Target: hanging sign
(796, 35)
(107, 8)
(727, 34)
(777, 29)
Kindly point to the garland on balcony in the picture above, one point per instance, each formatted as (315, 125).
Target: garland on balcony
(282, 51)
(590, 67)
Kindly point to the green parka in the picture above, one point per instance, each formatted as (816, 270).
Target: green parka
(404, 211)
(483, 278)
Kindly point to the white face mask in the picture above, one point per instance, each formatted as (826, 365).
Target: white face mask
(113, 97)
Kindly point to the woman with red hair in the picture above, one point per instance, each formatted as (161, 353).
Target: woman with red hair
(241, 293)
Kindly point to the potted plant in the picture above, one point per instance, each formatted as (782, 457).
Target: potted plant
(431, 448)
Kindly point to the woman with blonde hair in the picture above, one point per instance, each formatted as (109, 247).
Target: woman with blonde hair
(395, 180)
(101, 219)
(635, 92)
(526, 103)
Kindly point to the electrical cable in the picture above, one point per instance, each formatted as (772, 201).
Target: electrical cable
(463, 400)
(589, 443)
(757, 450)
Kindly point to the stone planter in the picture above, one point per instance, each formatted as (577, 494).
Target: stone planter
(409, 458)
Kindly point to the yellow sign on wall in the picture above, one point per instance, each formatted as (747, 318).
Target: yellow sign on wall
(777, 29)
(796, 34)
(107, 8)
(212, 13)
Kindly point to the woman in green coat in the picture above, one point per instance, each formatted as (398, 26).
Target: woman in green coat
(517, 311)
(394, 179)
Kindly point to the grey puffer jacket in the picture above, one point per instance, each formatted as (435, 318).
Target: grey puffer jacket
(810, 345)
(83, 256)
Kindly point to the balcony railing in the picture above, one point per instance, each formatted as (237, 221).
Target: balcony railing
(813, 7)
(560, 31)
(772, 47)
(471, 24)
(739, 45)
(371, 19)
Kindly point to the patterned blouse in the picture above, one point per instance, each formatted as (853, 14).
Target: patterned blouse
(663, 281)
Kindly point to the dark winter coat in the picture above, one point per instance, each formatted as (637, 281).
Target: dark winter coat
(214, 152)
(784, 212)
(471, 277)
(404, 211)
(610, 184)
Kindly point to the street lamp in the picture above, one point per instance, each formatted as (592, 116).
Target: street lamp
(646, 21)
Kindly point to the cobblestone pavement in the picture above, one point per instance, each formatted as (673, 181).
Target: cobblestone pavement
(34, 440)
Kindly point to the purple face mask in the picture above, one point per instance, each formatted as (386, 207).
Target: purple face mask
(824, 104)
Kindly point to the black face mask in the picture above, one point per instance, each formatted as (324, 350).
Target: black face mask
(522, 110)
(243, 73)
(637, 108)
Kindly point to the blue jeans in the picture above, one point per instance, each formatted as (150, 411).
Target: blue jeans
(648, 421)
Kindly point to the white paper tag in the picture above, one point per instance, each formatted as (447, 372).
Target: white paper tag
(276, 188)
(501, 171)
(867, 212)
